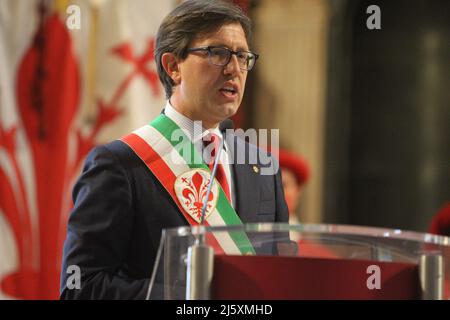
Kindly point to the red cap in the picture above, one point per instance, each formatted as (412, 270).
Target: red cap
(296, 164)
(440, 223)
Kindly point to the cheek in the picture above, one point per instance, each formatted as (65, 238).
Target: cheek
(244, 79)
(243, 82)
(203, 79)
(193, 84)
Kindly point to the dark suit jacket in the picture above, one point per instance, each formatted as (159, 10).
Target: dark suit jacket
(120, 209)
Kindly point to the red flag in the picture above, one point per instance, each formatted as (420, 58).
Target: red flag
(44, 135)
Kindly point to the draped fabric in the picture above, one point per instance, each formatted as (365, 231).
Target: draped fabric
(63, 91)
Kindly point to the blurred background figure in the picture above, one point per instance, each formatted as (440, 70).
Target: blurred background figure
(295, 175)
(440, 223)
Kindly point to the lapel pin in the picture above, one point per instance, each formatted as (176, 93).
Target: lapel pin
(255, 169)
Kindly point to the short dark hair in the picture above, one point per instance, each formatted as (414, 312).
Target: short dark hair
(190, 19)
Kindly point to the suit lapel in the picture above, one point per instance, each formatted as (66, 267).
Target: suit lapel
(246, 187)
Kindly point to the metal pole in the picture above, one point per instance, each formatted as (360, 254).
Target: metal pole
(200, 259)
(431, 273)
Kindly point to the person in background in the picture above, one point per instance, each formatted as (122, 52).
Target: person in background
(295, 174)
(440, 223)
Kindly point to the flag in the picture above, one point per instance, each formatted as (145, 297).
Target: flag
(73, 74)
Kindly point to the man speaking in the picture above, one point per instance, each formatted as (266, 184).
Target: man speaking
(133, 188)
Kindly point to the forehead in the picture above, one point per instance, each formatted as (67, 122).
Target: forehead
(230, 35)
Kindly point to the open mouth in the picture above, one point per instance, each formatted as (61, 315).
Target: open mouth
(229, 91)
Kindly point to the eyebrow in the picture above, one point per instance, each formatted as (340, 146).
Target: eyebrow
(218, 44)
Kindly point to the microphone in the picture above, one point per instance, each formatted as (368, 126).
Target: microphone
(223, 126)
(226, 124)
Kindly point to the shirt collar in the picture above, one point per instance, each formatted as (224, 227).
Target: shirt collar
(191, 128)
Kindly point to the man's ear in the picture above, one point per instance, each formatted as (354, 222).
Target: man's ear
(170, 63)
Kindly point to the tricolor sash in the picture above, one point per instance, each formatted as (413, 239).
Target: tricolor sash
(173, 159)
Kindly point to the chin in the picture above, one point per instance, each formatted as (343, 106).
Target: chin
(230, 110)
(222, 111)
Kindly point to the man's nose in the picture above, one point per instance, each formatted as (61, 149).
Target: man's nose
(232, 68)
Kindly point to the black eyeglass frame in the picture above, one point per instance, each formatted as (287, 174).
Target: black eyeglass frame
(231, 52)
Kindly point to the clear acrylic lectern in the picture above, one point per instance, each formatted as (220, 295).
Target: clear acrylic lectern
(306, 261)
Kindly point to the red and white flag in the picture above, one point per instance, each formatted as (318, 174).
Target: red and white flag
(62, 91)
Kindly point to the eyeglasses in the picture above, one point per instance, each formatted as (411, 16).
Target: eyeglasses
(220, 56)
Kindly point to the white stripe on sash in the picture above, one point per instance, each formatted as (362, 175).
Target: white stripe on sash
(177, 165)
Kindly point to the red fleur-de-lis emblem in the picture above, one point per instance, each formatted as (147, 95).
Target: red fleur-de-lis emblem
(191, 188)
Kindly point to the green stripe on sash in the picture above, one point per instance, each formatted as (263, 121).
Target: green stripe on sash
(193, 159)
